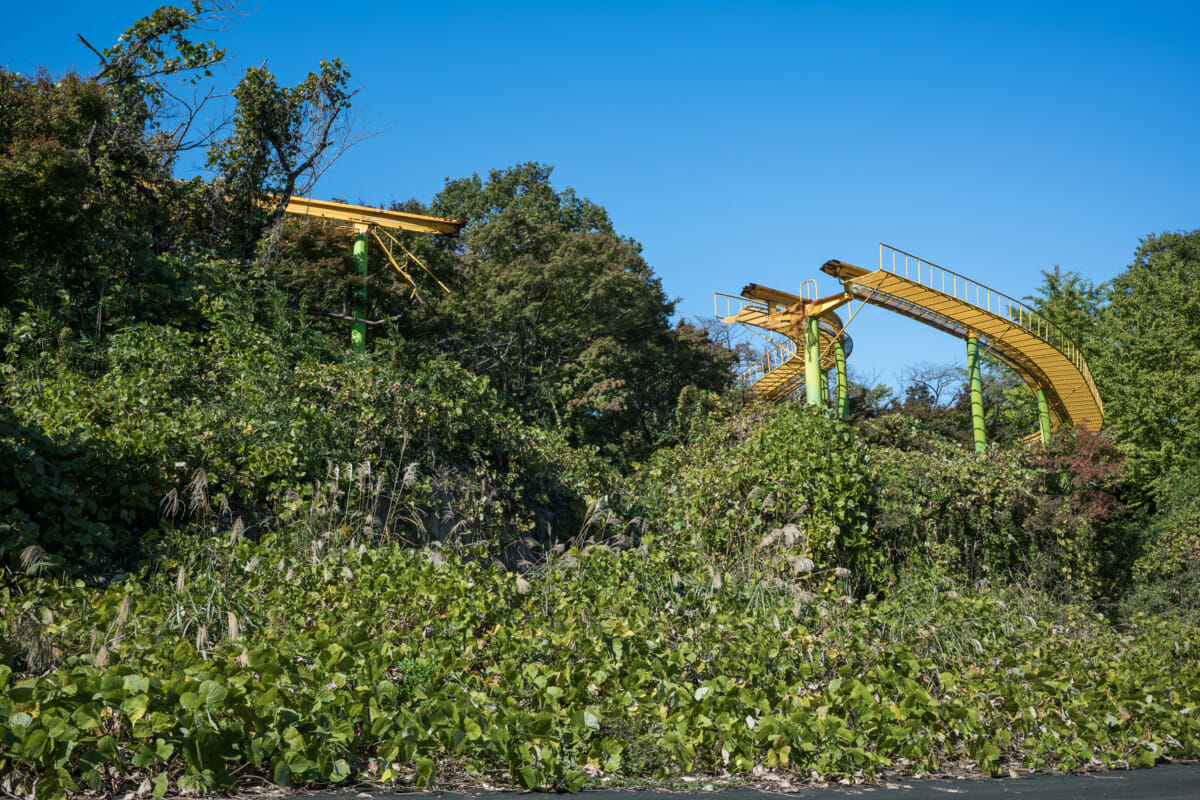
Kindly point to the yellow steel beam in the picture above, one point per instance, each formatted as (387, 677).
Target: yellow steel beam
(408, 255)
(396, 268)
(767, 295)
(364, 216)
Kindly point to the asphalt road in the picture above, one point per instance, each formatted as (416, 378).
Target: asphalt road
(1164, 782)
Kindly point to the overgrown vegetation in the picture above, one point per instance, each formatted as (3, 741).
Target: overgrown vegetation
(530, 538)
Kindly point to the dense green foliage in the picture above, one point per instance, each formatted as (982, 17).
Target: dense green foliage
(528, 538)
(743, 478)
(1142, 340)
(565, 316)
(258, 408)
(1150, 365)
(336, 658)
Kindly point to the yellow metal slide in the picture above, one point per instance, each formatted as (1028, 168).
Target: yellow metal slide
(1050, 363)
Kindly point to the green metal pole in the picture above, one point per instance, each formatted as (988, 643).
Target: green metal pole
(1043, 414)
(358, 330)
(824, 387)
(976, 372)
(812, 363)
(843, 389)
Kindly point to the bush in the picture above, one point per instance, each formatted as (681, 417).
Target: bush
(1166, 574)
(70, 503)
(338, 659)
(934, 499)
(249, 406)
(762, 470)
(1049, 514)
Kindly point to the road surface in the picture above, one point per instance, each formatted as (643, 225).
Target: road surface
(1164, 782)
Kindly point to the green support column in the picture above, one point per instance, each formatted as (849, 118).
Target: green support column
(825, 387)
(358, 330)
(812, 363)
(843, 390)
(976, 372)
(1043, 414)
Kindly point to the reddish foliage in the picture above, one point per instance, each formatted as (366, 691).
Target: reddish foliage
(1081, 481)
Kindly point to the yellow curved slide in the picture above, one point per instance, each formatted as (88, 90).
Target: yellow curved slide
(1045, 358)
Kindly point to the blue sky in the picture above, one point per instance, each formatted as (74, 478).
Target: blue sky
(753, 142)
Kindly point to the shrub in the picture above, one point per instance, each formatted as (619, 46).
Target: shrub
(1047, 513)
(1166, 574)
(249, 406)
(759, 471)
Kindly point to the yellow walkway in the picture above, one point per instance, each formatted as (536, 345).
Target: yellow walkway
(1036, 350)
(363, 217)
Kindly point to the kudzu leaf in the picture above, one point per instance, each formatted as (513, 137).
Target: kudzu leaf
(424, 776)
(35, 744)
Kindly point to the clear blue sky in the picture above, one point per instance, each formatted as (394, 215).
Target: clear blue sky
(754, 141)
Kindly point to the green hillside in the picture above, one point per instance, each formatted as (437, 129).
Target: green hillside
(533, 536)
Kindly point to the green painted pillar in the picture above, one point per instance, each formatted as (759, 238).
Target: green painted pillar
(358, 330)
(812, 363)
(1043, 414)
(825, 387)
(976, 372)
(843, 389)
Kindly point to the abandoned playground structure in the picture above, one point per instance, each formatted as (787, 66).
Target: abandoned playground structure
(808, 337)
(814, 339)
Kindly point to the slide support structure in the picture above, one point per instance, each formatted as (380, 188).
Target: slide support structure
(358, 329)
(812, 362)
(843, 390)
(976, 373)
(1043, 415)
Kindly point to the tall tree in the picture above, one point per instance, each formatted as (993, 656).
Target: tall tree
(91, 222)
(85, 197)
(283, 140)
(1070, 301)
(1147, 357)
(565, 316)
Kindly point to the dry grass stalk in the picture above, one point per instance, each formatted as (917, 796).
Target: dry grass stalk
(33, 557)
(171, 505)
(123, 611)
(197, 491)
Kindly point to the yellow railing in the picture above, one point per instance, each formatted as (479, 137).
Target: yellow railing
(964, 289)
(769, 361)
(734, 305)
(808, 289)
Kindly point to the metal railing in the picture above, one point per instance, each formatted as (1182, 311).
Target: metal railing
(768, 362)
(782, 349)
(926, 273)
(808, 289)
(735, 304)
